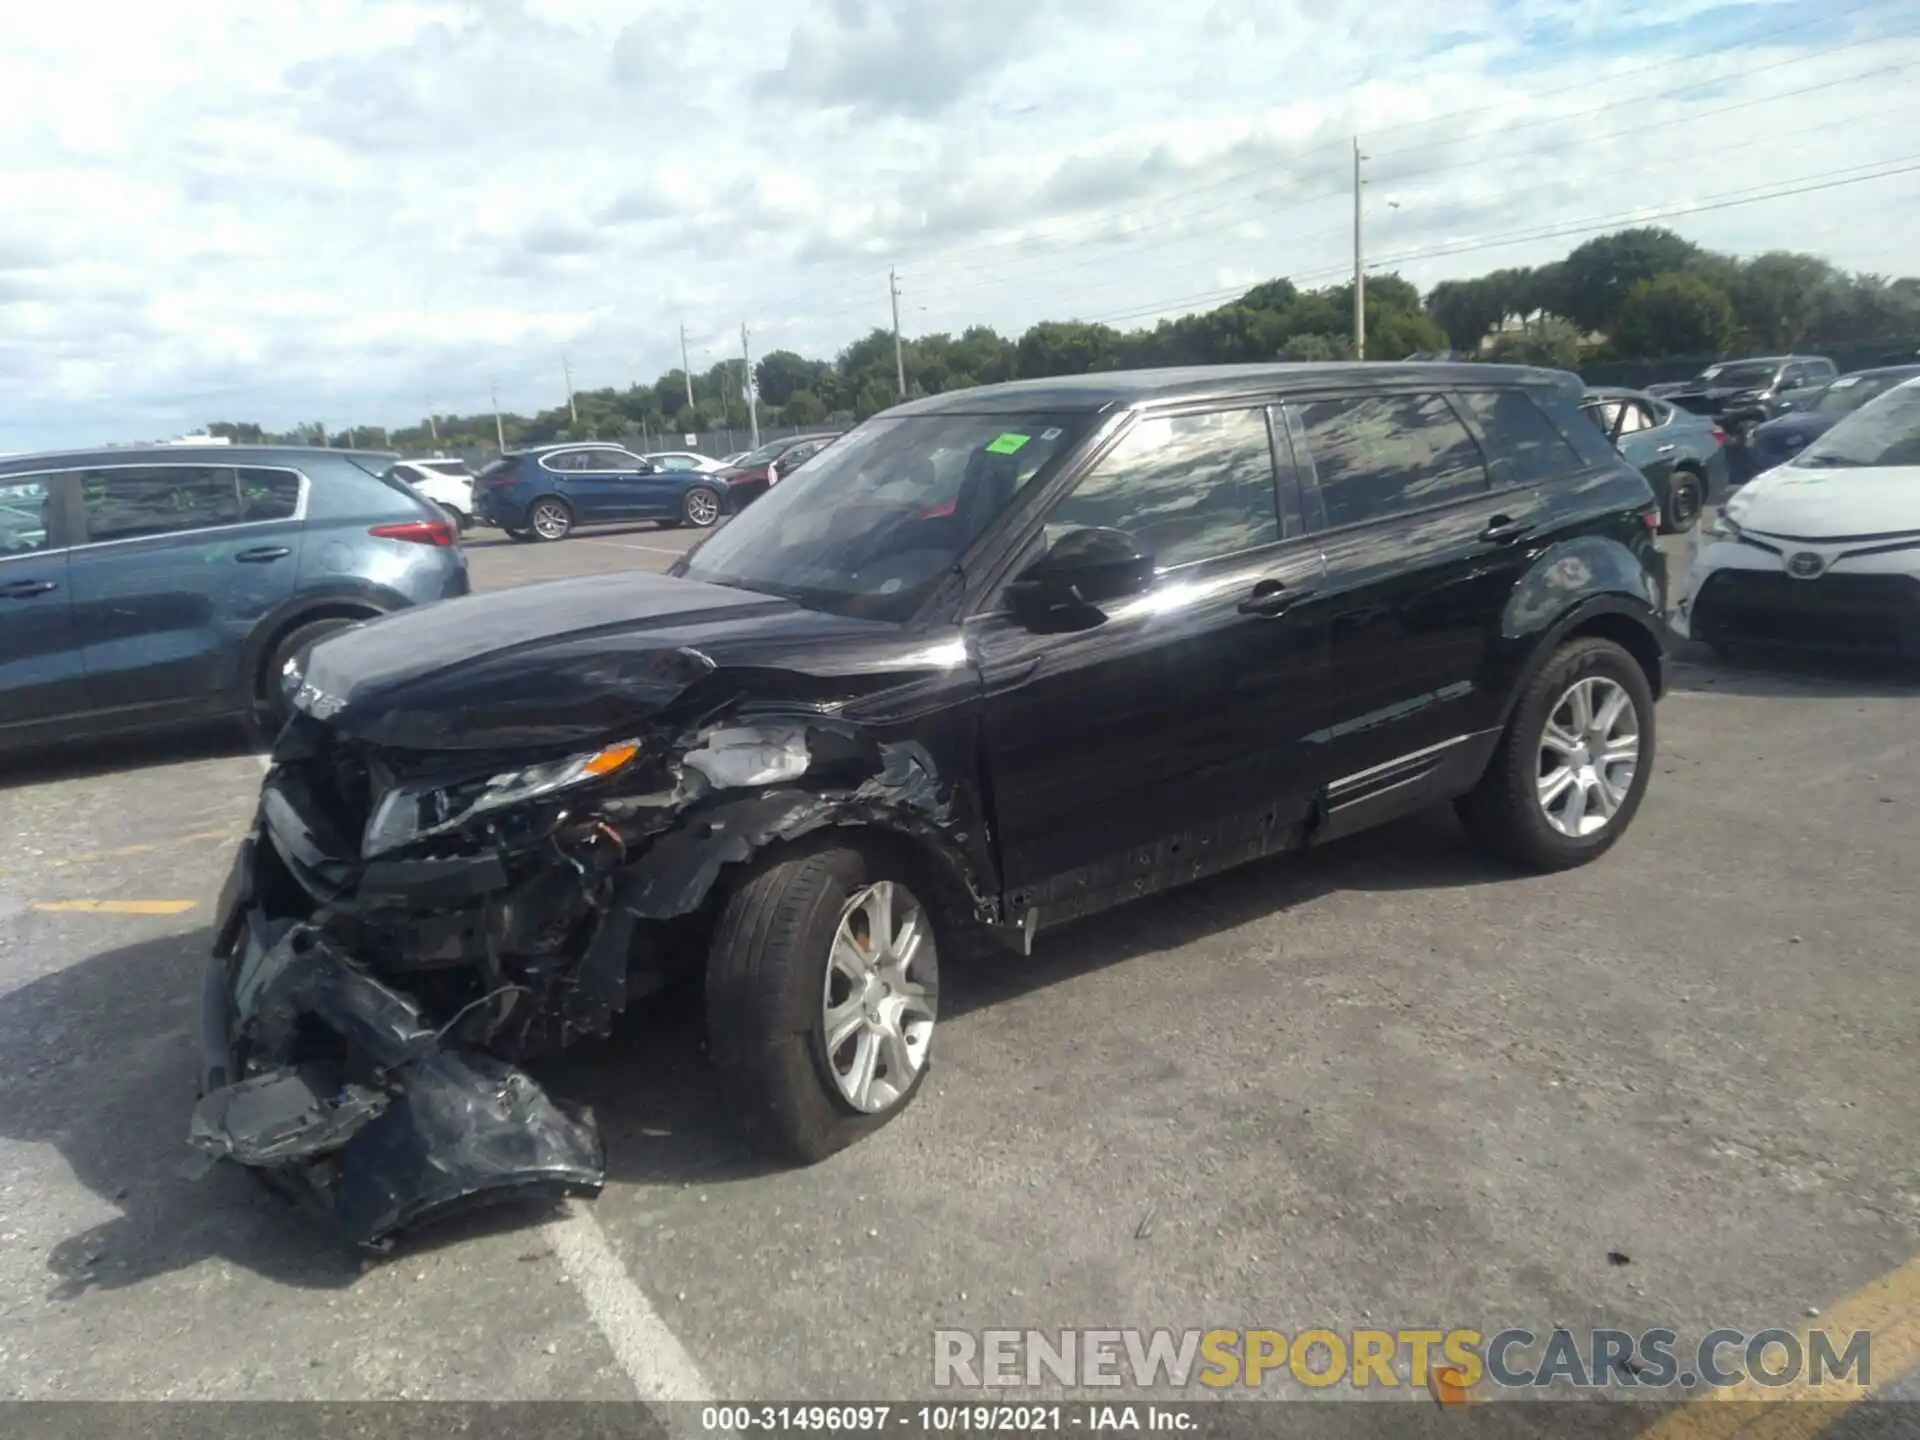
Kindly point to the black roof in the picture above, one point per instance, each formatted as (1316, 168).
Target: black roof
(1114, 388)
(103, 456)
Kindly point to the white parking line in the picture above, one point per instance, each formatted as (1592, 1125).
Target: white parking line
(656, 1363)
(632, 545)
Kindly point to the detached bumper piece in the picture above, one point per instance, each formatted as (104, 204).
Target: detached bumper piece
(359, 1107)
(1845, 613)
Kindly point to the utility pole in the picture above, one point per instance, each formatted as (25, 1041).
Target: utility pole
(499, 429)
(753, 400)
(899, 360)
(1359, 265)
(686, 366)
(567, 371)
(433, 428)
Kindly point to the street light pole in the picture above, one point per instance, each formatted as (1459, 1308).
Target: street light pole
(899, 359)
(753, 400)
(686, 366)
(1359, 265)
(499, 429)
(572, 409)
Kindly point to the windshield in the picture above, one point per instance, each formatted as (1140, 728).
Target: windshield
(1850, 392)
(1750, 373)
(1886, 431)
(770, 451)
(871, 525)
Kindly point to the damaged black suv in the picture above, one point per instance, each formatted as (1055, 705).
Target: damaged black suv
(995, 660)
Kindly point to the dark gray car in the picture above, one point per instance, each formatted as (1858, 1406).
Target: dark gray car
(146, 585)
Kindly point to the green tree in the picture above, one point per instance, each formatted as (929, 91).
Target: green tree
(1468, 310)
(803, 407)
(1068, 347)
(1312, 347)
(1597, 276)
(1674, 315)
(1777, 295)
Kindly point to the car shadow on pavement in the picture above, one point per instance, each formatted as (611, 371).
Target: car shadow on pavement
(99, 1066)
(83, 759)
(97, 1063)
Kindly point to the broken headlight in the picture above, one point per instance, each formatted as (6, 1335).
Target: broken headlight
(413, 812)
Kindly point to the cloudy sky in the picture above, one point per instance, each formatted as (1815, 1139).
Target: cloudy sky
(358, 210)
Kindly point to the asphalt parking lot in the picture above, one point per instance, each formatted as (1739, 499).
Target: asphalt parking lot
(1387, 1083)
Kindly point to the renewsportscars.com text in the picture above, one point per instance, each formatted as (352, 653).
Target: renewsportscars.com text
(1510, 1359)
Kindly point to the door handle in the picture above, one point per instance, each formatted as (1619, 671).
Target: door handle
(1270, 597)
(261, 555)
(1504, 530)
(23, 589)
(1665, 450)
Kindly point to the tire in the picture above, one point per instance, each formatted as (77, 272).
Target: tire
(523, 536)
(768, 978)
(549, 518)
(1686, 493)
(274, 704)
(700, 507)
(1506, 813)
(462, 522)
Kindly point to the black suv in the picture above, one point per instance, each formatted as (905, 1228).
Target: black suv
(993, 660)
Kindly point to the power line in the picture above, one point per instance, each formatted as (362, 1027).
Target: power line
(1779, 191)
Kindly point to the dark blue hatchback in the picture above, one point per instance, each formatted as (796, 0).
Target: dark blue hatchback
(542, 493)
(152, 584)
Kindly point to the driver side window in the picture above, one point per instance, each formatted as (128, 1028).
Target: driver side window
(1186, 487)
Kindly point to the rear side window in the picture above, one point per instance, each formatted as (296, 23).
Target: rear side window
(1382, 455)
(125, 504)
(23, 516)
(268, 494)
(1522, 445)
(498, 466)
(1188, 487)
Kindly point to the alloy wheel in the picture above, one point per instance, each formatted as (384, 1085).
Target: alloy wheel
(1589, 749)
(875, 1014)
(550, 522)
(702, 507)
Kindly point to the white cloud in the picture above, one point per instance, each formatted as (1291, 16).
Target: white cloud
(355, 209)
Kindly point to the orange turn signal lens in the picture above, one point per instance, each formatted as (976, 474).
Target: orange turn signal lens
(611, 758)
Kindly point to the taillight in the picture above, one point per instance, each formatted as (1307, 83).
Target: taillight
(501, 481)
(1719, 436)
(421, 532)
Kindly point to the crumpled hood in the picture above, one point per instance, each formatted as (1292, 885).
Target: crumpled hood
(1801, 426)
(538, 665)
(1814, 504)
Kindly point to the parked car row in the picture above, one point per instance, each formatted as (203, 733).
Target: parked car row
(544, 492)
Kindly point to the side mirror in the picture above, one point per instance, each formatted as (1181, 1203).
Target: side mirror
(1081, 571)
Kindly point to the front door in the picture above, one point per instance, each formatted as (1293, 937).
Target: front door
(181, 562)
(1130, 754)
(1422, 550)
(620, 486)
(41, 677)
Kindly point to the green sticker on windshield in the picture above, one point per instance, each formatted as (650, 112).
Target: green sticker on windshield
(1007, 444)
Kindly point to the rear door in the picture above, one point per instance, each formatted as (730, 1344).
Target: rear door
(1422, 547)
(41, 676)
(1639, 437)
(1132, 750)
(180, 563)
(616, 485)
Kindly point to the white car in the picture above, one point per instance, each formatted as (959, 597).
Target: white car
(1823, 552)
(446, 482)
(685, 460)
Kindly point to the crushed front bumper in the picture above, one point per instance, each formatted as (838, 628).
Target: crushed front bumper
(334, 1084)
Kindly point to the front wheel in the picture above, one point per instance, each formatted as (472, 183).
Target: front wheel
(1570, 771)
(274, 701)
(700, 507)
(822, 992)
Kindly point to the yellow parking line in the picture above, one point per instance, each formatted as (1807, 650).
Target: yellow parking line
(114, 907)
(1887, 1308)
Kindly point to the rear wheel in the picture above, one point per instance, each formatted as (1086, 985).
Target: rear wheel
(523, 536)
(1685, 493)
(550, 518)
(822, 992)
(1567, 778)
(700, 507)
